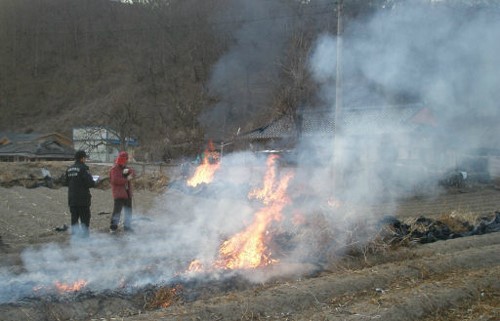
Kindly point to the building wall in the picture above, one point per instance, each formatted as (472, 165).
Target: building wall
(97, 142)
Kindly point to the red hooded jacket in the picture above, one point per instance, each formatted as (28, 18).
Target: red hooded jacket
(121, 187)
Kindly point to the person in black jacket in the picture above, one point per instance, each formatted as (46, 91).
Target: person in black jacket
(79, 182)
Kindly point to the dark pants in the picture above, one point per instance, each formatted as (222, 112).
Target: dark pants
(80, 220)
(126, 205)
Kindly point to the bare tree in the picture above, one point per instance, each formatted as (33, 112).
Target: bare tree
(122, 118)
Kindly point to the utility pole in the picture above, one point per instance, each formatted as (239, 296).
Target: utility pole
(338, 79)
(338, 99)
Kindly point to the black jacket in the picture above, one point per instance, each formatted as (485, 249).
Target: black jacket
(79, 182)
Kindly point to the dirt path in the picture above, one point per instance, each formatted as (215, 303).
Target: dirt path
(29, 216)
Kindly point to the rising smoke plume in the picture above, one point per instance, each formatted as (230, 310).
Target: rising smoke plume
(244, 76)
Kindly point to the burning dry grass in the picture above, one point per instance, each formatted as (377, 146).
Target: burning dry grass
(205, 172)
(73, 287)
(163, 297)
(339, 242)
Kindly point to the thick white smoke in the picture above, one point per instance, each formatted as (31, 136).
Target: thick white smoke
(441, 57)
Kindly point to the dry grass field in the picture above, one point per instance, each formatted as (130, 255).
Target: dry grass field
(456, 279)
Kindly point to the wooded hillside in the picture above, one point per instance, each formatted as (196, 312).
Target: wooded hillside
(171, 73)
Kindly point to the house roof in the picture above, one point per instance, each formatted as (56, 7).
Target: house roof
(9, 137)
(323, 122)
(36, 145)
(278, 128)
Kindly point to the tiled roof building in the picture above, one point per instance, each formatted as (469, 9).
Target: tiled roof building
(310, 123)
(35, 146)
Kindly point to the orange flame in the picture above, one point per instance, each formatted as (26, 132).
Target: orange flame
(266, 194)
(205, 172)
(75, 286)
(247, 249)
(195, 266)
(170, 297)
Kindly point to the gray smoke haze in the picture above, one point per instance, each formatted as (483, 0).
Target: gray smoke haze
(244, 76)
(446, 58)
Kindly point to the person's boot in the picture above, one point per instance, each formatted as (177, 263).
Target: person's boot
(112, 229)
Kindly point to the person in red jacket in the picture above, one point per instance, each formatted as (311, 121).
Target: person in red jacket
(121, 187)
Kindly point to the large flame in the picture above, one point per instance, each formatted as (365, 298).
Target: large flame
(272, 190)
(248, 249)
(205, 172)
